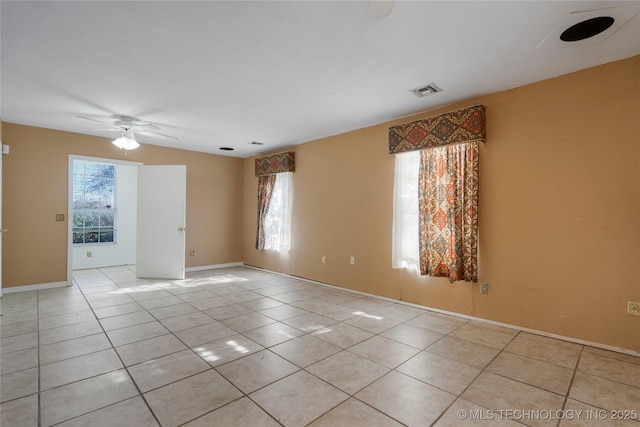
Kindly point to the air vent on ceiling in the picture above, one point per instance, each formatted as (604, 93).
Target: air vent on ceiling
(425, 90)
(256, 143)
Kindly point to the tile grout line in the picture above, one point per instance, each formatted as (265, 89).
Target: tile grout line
(573, 376)
(170, 332)
(477, 376)
(212, 368)
(353, 395)
(310, 333)
(269, 348)
(540, 333)
(459, 396)
(119, 358)
(39, 400)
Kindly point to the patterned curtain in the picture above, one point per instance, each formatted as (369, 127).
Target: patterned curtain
(265, 190)
(448, 203)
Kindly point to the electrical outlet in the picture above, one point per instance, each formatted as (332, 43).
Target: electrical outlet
(633, 308)
(484, 289)
(353, 260)
(192, 252)
(89, 254)
(324, 259)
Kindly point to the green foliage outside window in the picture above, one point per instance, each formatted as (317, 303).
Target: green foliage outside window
(94, 210)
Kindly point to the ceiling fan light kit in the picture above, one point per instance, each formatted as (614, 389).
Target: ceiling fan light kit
(127, 141)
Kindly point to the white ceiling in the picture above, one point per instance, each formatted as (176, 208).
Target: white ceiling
(225, 73)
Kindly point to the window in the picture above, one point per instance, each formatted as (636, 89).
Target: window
(405, 250)
(94, 210)
(435, 217)
(447, 193)
(274, 201)
(277, 223)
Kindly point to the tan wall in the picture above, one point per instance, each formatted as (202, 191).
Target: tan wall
(559, 210)
(35, 188)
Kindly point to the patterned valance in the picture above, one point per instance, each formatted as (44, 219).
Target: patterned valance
(283, 162)
(464, 125)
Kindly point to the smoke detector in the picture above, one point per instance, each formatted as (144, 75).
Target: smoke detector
(426, 90)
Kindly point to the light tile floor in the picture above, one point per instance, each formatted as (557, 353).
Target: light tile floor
(243, 347)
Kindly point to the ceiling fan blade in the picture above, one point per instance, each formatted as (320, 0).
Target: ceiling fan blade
(148, 132)
(125, 122)
(94, 130)
(150, 125)
(95, 120)
(379, 9)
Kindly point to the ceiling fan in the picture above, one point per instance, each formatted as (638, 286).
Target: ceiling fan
(128, 127)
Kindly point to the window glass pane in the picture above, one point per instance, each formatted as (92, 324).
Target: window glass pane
(78, 219)
(106, 236)
(91, 220)
(278, 219)
(107, 219)
(91, 237)
(94, 207)
(405, 242)
(78, 237)
(78, 197)
(78, 167)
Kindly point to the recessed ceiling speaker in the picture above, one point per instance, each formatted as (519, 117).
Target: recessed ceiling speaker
(590, 27)
(585, 29)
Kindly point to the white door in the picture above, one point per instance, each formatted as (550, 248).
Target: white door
(161, 231)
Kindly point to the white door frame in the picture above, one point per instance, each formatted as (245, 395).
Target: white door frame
(1, 226)
(73, 157)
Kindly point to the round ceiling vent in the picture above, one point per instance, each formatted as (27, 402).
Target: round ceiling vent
(586, 29)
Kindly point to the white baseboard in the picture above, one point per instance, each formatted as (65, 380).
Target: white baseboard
(213, 267)
(37, 287)
(468, 317)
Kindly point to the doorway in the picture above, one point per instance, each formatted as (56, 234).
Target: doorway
(156, 221)
(102, 215)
